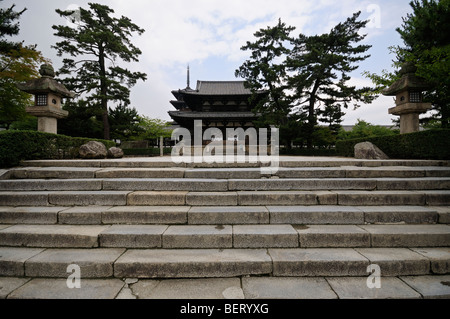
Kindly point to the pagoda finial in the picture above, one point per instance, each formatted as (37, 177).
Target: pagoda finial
(188, 78)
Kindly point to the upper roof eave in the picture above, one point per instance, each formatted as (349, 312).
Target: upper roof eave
(43, 85)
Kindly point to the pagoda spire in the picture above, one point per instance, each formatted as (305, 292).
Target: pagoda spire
(188, 78)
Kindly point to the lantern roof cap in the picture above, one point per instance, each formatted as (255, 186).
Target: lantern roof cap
(409, 81)
(46, 84)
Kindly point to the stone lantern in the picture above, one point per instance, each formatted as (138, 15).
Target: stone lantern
(409, 98)
(48, 95)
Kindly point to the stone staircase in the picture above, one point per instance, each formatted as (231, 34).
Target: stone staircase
(318, 220)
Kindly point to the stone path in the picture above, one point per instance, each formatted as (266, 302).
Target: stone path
(402, 287)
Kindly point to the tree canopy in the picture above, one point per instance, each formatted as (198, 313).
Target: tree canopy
(153, 128)
(425, 43)
(425, 33)
(266, 70)
(9, 26)
(92, 53)
(302, 74)
(18, 63)
(364, 129)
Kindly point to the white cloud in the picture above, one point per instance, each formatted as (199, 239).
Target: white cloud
(375, 113)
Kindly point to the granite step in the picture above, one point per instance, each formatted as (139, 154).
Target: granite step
(225, 236)
(63, 198)
(284, 161)
(217, 185)
(219, 263)
(248, 287)
(427, 183)
(229, 198)
(47, 236)
(52, 172)
(225, 215)
(355, 215)
(318, 236)
(363, 172)
(225, 173)
(347, 262)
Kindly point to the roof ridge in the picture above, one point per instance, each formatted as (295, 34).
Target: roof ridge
(228, 81)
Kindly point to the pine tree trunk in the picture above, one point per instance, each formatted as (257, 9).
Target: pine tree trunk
(311, 117)
(104, 98)
(106, 129)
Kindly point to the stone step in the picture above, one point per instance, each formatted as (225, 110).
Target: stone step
(228, 215)
(353, 262)
(225, 236)
(58, 236)
(248, 287)
(226, 173)
(216, 185)
(52, 172)
(238, 198)
(317, 236)
(321, 172)
(220, 263)
(51, 185)
(166, 184)
(225, 215)
(356, 215)
(63, 198)
(428, 183)
(363, 172)
(284, 161)
(273, 236)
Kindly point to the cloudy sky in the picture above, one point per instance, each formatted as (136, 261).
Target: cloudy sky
(208, 35)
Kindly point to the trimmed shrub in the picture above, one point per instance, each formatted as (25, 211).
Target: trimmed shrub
(430, 144)
(145, 151)
(16, 146)
(307, 152)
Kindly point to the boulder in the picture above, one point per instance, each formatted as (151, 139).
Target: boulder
(93, 150)
(115, 152)
(367, 150)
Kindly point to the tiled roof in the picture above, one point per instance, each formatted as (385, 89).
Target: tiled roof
(212, 115)
(222, 88)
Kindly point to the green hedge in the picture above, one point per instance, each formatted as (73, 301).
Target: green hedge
(430, 144)
(145, 151)
(16, 146)
(307, 152)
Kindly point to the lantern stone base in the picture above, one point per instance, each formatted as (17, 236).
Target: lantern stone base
(409, 123)
(47, 117)
(48, 125)
(409, 115)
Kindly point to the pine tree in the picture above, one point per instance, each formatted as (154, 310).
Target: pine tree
(425, 33)
(9, 26)
(124, 122)
(92, 53)
(332, 115)
(426, 43)
(18, 63)
(321, 65)
(266, 71)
